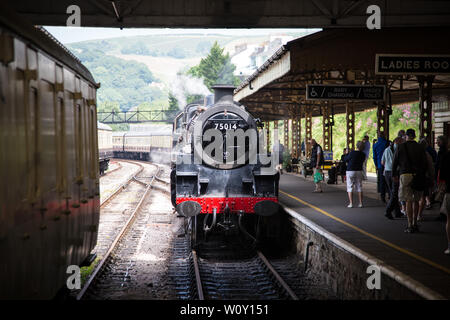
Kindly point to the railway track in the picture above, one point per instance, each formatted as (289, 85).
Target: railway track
(216, 272)
(117, 168)
(248, 275)
(122, 228)
(253, 278)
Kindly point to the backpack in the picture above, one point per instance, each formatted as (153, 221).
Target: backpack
(418, 182)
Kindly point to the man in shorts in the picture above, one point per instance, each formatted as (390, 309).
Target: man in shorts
(409, 159)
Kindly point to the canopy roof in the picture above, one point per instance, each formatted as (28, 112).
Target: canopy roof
(339, 56)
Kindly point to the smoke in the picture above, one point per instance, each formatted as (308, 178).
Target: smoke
(184, 85)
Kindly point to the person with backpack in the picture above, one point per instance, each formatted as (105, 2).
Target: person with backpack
(316, 163)
(408, 164)
(429, 180)
(392, 185)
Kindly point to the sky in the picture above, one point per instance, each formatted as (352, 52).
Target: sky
(77, 34)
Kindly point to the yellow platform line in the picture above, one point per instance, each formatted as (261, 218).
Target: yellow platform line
(389, 244)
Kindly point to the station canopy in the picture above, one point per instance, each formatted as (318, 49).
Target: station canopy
(340, 56)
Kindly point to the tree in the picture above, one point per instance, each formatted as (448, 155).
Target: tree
(173, 102)
(215, 68)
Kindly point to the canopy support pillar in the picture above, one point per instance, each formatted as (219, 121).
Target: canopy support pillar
(327, 123)
(383, 120)
(350, 118)
(308, 130)
(425, 105)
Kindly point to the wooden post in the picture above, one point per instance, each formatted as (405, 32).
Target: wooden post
(286, 134)
(295, 126)
(298, 146)
(350, 117)
(426, 108)
(382, 120)
(267, 126)
(327, 127)
(308, 129)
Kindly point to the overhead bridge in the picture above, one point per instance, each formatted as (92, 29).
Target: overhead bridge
(113, 117)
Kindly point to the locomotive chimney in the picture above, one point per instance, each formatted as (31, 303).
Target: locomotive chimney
(223, 93)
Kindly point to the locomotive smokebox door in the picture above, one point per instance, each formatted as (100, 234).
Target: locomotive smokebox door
(189, 208)
(266, 208)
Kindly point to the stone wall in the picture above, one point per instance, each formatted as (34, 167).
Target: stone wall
(342, 270)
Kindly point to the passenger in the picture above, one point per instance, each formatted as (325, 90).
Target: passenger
(279, 148)
(316, 162)
(429, 181)
(342, 166)
(366, 152)
(442, 143)
(378, 150)
(402, 134)
(355, 161)
(430, 151)
(445, 208)
(392, 184)
(409, 160)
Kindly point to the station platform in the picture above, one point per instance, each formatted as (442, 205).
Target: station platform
(418, 255)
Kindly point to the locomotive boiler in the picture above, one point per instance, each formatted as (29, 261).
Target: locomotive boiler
(222, 176)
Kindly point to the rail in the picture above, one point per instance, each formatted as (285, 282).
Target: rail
(265, 262)
(121, 234)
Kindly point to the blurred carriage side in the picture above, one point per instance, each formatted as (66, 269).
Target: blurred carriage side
(49, 196)
(145, 142)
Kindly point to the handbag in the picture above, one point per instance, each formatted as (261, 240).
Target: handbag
(318, 176)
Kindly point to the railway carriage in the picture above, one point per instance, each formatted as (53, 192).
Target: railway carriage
(105, 146)
(154, 145)
(49, 194)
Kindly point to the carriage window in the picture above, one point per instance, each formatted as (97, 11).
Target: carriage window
(33, 145)
(60, 140)
(93, 136)
(79, 143)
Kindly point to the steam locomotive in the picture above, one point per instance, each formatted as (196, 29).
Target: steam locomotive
(230, 187)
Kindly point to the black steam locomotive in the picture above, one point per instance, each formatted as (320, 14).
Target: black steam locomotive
(230, 187)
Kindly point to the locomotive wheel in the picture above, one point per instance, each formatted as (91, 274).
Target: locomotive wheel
(194, 227)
